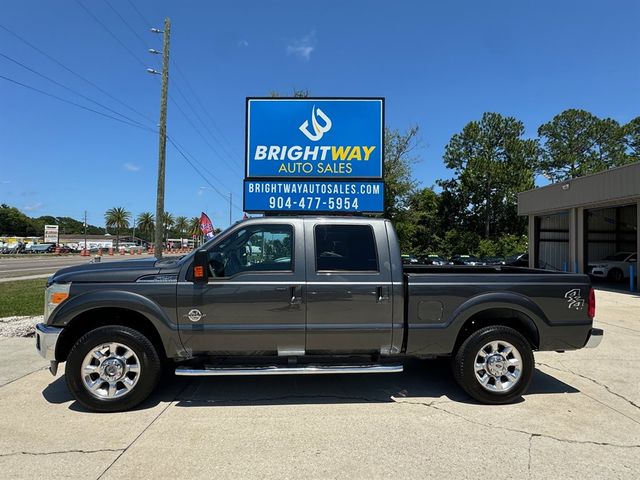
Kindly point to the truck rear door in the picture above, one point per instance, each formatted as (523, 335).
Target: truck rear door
(349, 286)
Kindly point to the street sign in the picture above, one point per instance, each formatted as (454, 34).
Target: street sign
(51, 234)
(293, 142)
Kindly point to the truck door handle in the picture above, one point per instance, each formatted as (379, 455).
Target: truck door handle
(383, 294)
(294, 299)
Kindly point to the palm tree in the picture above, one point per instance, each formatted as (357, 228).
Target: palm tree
(181, 224)
(167, 222)
(194, 227)
(146, 223)
(117, 218)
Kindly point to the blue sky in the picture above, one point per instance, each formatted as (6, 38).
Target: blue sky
(439, 65)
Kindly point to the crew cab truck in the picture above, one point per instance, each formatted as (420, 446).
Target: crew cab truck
(304, 295)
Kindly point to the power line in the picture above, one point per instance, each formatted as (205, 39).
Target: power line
(76, 104)
(84, 79)
(230, 165)
(69, 89)
(182, 153)
(113, 35)
(206, 111)
(144, 19)
(131, 29)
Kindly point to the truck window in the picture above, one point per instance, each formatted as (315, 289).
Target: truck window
(258, 248)
(346, 248)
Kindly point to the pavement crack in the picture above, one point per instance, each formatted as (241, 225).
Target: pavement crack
(61, 452)
(123, 451)
(603, 385)
(529, 451)
(25, 375)
(532, 434)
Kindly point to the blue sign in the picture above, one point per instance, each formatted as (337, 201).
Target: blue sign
(314, 138)
(313, 196)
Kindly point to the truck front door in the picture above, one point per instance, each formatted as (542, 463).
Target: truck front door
(349, 287)
(253, 301)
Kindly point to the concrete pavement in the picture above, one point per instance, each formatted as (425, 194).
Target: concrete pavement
(580, 419)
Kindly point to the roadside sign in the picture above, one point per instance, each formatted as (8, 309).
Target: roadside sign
(310, 196)
(299, 151)
(51, 234)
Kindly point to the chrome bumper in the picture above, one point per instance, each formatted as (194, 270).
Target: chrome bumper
(595, 337)
(46, 339)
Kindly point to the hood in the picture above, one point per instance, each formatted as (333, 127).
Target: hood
(125, 271)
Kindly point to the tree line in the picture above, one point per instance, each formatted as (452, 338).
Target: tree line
(118, 221)
(476, 210)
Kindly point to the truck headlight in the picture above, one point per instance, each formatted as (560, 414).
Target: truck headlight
(54, 295)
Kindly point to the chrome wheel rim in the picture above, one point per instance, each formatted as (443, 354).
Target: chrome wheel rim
(110, 370)
(498, 366)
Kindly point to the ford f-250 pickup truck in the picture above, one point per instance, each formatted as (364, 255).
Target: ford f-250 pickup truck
(296, 295)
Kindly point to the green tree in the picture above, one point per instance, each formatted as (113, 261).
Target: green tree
(491, 163)
(14, 222)
(632, 139)
(146, 224)
(425, 223)
(399, 183)
(576, 142)
(167, 223)
(181, 225)
(117, 218)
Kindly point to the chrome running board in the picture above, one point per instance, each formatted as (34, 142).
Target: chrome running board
(276, 370)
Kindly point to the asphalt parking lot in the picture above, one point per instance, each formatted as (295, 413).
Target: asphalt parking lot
(580, 419)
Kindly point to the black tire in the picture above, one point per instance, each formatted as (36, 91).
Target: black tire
(465, 359)
(615, 275)
(150, 368)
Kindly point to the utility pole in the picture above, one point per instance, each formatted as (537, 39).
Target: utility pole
(162, 147)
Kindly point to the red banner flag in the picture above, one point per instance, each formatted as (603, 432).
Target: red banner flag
(206, 226)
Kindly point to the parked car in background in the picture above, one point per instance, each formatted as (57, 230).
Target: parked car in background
(466, 260)
(613, 267)
(436, 260)
(409, 260)
(41, 248)
(519, 260)
(493, 260)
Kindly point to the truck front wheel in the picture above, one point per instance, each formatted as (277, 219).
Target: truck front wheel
(494, 365)
(112, 368)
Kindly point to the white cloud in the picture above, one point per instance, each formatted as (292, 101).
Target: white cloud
(243, 43)
(303, 47)
(130, 167)
(32, 207)
(5, 182)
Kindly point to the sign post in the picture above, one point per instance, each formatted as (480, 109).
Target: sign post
(316, 155)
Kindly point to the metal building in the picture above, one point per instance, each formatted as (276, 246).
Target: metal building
(580, 221)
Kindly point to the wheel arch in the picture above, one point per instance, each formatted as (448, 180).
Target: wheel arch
(505, 309)
(96, 309)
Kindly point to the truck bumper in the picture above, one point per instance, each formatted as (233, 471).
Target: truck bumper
(46, 340)
(595, 337)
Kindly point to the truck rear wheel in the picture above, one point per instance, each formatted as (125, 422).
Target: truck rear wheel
(112, 368)
(494, 365)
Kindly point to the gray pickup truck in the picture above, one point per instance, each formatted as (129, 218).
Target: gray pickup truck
(304, 295)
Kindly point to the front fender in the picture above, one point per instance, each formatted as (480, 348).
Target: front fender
(100, 299)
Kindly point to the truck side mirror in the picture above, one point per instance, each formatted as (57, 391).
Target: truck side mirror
(201, 266)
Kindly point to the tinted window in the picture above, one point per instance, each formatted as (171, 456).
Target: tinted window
(255, 248)
(345, 247)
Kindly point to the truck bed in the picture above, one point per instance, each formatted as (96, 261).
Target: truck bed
(439, 300)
